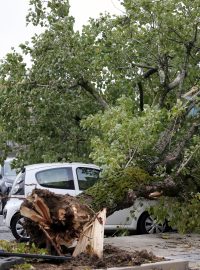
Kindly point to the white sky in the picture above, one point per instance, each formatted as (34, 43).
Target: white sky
(13, 29)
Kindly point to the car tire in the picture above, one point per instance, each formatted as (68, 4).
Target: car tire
(148, 225)
(17, 228)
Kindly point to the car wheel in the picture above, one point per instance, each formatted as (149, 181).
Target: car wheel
(17, 228)
(148, 225)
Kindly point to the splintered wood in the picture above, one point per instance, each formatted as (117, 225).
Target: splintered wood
(91, 239)
(65, 222)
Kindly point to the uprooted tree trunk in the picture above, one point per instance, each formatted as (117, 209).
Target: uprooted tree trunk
(62, 220)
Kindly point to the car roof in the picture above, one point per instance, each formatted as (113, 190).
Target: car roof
(59, 164)
(8, 159)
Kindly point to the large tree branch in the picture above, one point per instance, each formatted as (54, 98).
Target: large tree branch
(188, 48)
(178, 81)
(150, 72)
(92, 91)
(168, 187)
(141, 92)
(196, 28)
(185, 162)
(142, 65)
(179, 78)
(146, 75)
(172, 128)
(173, 155)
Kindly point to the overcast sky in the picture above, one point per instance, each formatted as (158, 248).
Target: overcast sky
(13, 29)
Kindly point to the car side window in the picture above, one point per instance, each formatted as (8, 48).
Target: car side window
(61, 178)
(87, 177)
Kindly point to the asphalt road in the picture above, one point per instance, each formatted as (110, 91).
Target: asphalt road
(5, 233)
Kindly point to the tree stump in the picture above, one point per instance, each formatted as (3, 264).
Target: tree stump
(63, 221)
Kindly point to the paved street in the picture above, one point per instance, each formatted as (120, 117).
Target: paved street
(5, 233)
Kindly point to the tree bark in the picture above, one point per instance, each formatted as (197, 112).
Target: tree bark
(141, 92)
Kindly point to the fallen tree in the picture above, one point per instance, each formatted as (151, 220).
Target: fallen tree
(165, 161)
(63, 221)
(140, 79)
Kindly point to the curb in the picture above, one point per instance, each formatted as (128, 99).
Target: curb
(165, 265)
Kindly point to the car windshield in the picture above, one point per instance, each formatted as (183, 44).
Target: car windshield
(87, 177)
(8, 171)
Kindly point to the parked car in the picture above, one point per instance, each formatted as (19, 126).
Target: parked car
(7, 177)
(71, 178)
(136, 219)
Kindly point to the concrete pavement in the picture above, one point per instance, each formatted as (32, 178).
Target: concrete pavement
(168, 245)
(5, 233)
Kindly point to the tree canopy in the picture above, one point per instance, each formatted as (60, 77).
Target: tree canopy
(123, 92)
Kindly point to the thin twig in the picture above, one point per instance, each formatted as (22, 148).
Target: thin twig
(131, 158)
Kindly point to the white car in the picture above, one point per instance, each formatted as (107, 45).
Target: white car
(71, 178)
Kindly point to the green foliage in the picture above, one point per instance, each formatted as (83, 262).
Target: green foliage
(45, 13)
(40, 117)
(112, 190)
(181, 214)
(21, 247)
(41, 105)
(14, 247)
(24, 266)
(72, 74)
(121, 134)
(190, 164)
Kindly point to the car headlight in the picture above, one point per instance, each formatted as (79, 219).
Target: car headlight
(15, 189)
(18, 186)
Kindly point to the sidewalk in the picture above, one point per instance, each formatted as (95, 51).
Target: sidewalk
(168, 245)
